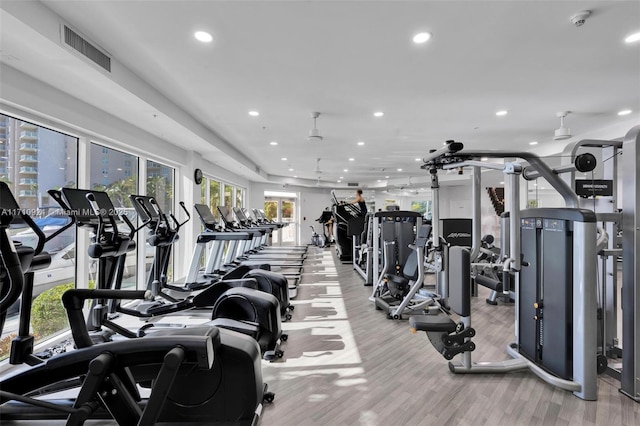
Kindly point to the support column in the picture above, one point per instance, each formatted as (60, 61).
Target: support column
(630, 380)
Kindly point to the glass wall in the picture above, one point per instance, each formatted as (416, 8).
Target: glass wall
(215, 193)
(214, 196)
(116, 173)
(228, 196)
(203, 191)
(160, 185)
(239, 197)
(34, 159)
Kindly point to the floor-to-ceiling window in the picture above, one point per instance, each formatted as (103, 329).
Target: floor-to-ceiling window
(239, 197)
(116, 173)
(160, 185)
(228, 196)
(214, 196)
(34, 159)
(216, 193)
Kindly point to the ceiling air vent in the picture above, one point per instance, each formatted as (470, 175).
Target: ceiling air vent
(353, 184)
(78, 43)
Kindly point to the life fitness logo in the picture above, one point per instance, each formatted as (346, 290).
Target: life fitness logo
(459, 235)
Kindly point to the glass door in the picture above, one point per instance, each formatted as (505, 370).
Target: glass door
(271, 212)
(282, 209)
(287, 215)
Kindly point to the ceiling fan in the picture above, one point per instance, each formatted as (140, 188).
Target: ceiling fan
(314, 134)
(562, 133)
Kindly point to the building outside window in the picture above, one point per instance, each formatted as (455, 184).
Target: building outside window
(34, 159)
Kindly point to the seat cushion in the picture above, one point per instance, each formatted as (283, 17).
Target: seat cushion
(440, 322)
(397, 279)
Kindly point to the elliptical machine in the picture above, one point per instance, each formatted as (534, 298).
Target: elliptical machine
(181, 364)
(233, 305)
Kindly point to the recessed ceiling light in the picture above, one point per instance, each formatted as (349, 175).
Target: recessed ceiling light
(379, 180)
(624, 112)
(535, 184)
(533, 143)
(352, 159)
(484, 158)
(284, 158)
(274, 143)
(421, 38)
(119, 169)
(339, 181)
(346, 170)
(254, 113)
(542, 187)
(295, 176)
(203, 36)
(290, 169)
(418, 159)
(501, 113)
(378, 114)
(399, 170)
(341, 177)
(502, 183)
(386, 177)
(360, 143)
(632, 38)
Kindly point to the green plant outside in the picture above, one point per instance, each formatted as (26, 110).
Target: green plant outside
(48, 316)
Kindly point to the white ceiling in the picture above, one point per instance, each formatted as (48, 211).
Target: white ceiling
(348, 59)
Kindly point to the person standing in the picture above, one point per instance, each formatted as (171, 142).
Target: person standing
(360, 202)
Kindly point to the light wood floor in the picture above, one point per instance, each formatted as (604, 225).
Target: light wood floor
(346, 364)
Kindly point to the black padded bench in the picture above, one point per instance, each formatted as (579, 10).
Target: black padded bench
(490, 283)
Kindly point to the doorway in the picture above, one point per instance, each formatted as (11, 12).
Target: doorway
(283, 207)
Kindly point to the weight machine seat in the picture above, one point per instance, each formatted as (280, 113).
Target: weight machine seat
(489, 283)
(440, 322)
(396, 279)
